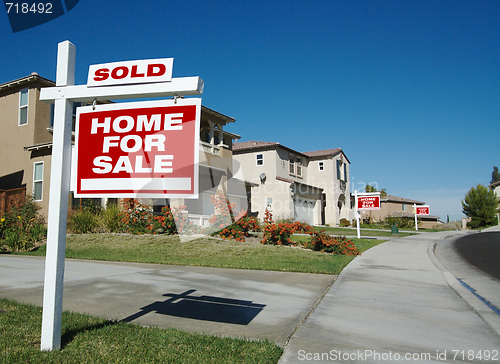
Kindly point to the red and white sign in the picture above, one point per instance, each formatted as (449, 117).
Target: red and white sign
(422, 210)
(141, 149)
(131, 72)
(368, 202)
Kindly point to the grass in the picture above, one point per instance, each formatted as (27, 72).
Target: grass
(87, 339)
(207, 252)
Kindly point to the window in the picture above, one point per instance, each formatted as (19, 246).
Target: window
(260, 159)
(292, 164)
(403, 207)
(338, 169)
(73, 125)
(38, 181)
(345, 171)
(321, 166)
(23, 107)
(298, 167)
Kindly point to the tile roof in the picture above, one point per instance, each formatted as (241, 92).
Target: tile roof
(323, 153)
(391, 198)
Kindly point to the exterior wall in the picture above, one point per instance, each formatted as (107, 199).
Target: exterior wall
(14, 138)
(284, 194)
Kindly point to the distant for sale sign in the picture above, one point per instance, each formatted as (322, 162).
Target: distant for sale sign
(422, 210)
(142, 149)
(369, 202)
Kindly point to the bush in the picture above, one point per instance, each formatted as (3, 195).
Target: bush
(22, 226)
(329, 244)
(83, 222)
(136, 217)
(239, 230)
(344, 223)
(280, 233)
(400, 221)
(110, 219)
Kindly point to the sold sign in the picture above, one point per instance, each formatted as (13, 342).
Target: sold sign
(142, 149)
(131, 72)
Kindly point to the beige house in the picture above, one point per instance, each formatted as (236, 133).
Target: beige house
(399, 207)
(27, 125)
(312, 187)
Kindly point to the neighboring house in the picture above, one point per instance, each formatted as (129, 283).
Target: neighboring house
(495, 186)
(312, 187)
(399, 207)
(26, 139)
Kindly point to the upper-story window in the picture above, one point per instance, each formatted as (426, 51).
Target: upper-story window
(23, 107)
(291, 162)
(403, 207)
(298, 166)
(73, 124)
(321, 166)
(260, 159)
(341, 170)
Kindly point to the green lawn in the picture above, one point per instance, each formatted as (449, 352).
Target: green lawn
(208, 252)
(87, 339)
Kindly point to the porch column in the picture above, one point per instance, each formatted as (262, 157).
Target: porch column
(212, 135)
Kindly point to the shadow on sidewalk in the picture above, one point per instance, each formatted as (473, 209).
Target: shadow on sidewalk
(206, 308)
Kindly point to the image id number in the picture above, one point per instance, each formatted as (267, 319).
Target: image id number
(25, 8)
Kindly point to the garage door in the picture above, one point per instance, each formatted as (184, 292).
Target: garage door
(304, 210)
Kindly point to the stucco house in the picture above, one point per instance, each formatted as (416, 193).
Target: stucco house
(495, 186)
(312, 187)
(399, 207)
(26, 139)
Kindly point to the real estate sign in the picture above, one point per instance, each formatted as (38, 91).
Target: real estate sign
(368, 202)
(422, 210)
(141, 149)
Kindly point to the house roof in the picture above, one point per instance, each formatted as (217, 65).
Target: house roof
(390, 198)
(27, 79)
(494, 184)
(298, 183)
(256, 145)
(410, 214)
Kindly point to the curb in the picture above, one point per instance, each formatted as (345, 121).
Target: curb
(485, 313)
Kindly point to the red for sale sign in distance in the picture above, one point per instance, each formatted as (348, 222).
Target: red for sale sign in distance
(422, 210)
(369, 202)
(141, 149)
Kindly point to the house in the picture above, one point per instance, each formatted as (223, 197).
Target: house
(312, 187)
(27, 125)
(399, 207)
(495, 186)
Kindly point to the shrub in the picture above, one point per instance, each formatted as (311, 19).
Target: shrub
(110, 219)
(136, 217)
(22, 226)
(239, 230)
(280, 233)
(83, 222)
(344, 222)
(329, 244)
(400, 221)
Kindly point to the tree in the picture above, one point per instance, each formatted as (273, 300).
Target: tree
(480, 205)
(371, 188)
(495, 175)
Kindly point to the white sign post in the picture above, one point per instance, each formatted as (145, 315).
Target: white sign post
(420, 210)
(64, 94)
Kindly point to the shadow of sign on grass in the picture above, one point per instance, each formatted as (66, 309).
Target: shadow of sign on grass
(206, 308)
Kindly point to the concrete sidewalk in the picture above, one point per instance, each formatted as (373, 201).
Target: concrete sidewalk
(398, 302)
(228, 302)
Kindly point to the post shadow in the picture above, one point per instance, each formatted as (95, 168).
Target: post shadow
(205, 308)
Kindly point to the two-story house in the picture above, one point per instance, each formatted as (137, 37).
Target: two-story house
(26, 140)
(312, 187)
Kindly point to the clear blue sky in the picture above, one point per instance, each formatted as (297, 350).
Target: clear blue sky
(410, 90)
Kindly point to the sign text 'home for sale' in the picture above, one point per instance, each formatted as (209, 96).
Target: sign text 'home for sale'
(141, 149)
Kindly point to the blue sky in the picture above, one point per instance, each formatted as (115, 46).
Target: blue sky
(408, 89)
